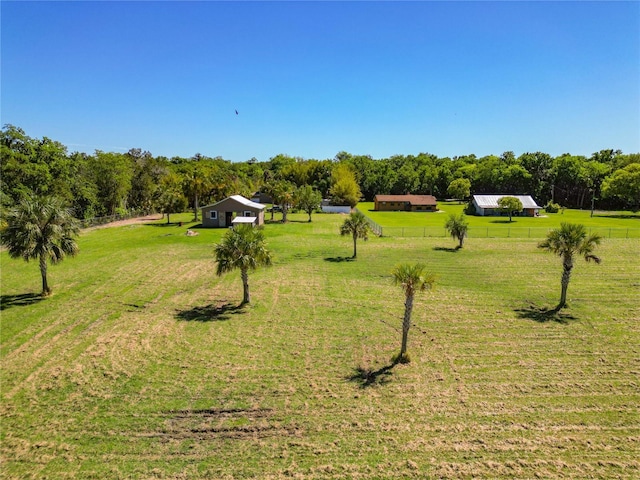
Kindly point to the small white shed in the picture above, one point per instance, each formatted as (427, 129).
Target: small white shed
(224, 212)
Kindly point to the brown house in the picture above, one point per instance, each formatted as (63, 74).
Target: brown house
(223, 213)
(405, 203)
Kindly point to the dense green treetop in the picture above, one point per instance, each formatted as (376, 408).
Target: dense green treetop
(510, 205)
(625, 185)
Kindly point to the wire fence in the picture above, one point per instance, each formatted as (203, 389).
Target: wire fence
(96, 221)
(375, 228)
(496, 232)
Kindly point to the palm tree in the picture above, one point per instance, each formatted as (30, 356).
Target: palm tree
(457, 227)
(269, 187)
(42, 228)
(412, 279)
(242, 247)
(196, 184)
(567, 241)
(357, 226)
(282, 194)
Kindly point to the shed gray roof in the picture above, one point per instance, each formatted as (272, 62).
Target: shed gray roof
(491, 201)
(240, 199)
(244, 220)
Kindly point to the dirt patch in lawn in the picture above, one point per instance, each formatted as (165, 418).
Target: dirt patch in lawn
(130, 221)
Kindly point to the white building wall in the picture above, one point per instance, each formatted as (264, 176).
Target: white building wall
(336, 209)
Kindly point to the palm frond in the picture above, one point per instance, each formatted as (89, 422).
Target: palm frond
(241, 247)
(413, 277)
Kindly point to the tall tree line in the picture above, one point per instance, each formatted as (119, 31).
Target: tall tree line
(572, 181)
(106, 183)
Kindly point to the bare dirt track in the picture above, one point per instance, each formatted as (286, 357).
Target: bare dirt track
(130, 221)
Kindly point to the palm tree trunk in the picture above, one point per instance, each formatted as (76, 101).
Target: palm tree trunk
(355, 249)
(195, 208)
(406, 324)
(566, 276)
(46, 291)
(461, 238)
(244, 273)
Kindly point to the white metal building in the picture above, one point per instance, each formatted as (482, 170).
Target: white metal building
(486, 205)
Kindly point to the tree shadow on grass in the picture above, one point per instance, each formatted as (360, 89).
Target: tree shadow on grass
(502, 221)
(339, 259)
(21, 300)
(367, 377)
(446, 249)
(630, 216)
(169, 225)
(544, 315)
(289, 220)
(210, 313)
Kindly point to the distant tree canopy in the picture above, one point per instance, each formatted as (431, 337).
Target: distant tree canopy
(460, 188)
(344, 187)
(307, 199)
(106, 182)
(510, 205)
(624, 184)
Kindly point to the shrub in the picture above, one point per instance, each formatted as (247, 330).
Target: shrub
(470, 209)
(121, 212)
(552, 207)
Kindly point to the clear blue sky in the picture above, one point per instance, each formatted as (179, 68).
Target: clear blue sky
(310, 79)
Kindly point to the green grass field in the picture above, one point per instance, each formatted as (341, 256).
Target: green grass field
(142, 366)
(431, 224)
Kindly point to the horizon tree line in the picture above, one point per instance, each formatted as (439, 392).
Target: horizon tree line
(107, 183)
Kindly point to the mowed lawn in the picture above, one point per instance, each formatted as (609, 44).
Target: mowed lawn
(142, 366)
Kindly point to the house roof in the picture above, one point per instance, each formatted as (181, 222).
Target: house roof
(491, 201)
(240, 199)
(412, 199)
